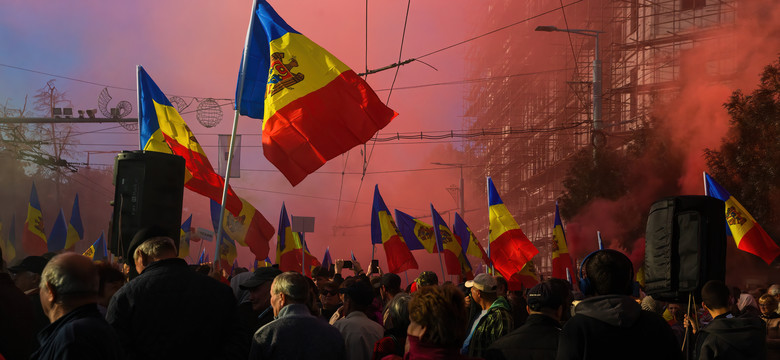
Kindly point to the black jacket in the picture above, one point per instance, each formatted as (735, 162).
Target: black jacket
(79, 334)
(728, 337)
(614, 326)
(17, 339)
(537, 339)
(172, 312)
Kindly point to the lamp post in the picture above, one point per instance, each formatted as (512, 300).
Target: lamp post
(596, 74)
(461, 203)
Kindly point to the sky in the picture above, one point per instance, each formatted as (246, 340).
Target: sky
(193, 48)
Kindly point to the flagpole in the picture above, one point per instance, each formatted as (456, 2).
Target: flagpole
(138, 103)
(303, 254)
(489, 267)
(704, 178)
(235, 127)
(598, 235)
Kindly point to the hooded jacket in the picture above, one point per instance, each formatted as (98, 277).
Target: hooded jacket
(615, 326)
(496, 323)
(732, 338)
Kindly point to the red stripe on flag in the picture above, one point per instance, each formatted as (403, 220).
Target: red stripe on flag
(399, 258)
(510, 251)
(259, 233)
(560, 264)
(757, 242)
(299, 138)
(32, 244)
(452, 262)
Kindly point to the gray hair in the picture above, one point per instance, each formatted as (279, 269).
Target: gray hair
(398, 312)
(293, 285)
(774, 289)
(156, 247)
(71, 276)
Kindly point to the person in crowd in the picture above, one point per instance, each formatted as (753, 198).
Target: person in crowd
(774, 290)
(321, 275)
(494, 321)
(426, 278)
(676, 320)
(396, 324)
(295, 334)
(242, 295)
(538, 338)
(16, 318)
(437, 324)
(389, 287)
(27, 277)
(329, 299)
(767, 304)
(111, 280)
(728, 336)
(167, 309)
(313, 300)
(518, 304)
(609, 323)
(357, 270)
(359, 332)
(69, 291)
(257, 311)
(747, 305)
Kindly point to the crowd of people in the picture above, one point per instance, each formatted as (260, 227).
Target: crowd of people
(64, 306)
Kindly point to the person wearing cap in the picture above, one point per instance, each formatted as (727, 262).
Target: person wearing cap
(27, 277)
(258, 311)
(295, 333)
(538, 338)
(166, 309)
(69, 292)
(609, 323)
(359, 332)
(494, 321)
(16, 312)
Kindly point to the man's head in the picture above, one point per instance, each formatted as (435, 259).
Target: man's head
(389, 286)
(288, 288)
(111, 279)
(676, 310)
(427, 278)
(68, 281)
(501, 286)
(774, 290)
(27, 275)
(153, 249)
(607, 272)
(767, 304)
(321, 275)
(483, 289)
(715, 296)
(329, 295)
(550, 298)
(358, 294)
(259, 287)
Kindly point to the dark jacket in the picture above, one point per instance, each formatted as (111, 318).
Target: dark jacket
(537, 339)
(496, 323)
(614, 326)
(419, 350)
(727, 337)
(172, 312)
(296, 334)
(79, 334)
(16, 321)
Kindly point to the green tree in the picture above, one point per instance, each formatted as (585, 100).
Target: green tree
(748, 161)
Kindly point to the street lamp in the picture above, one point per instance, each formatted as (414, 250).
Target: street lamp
(461, 204)
(596, 73)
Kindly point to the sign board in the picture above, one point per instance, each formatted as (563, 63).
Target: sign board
(304, 224)
(205, 234)
(223, 146)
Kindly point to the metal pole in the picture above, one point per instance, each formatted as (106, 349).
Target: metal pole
(462, 194)
(303, 253)
(596, 87)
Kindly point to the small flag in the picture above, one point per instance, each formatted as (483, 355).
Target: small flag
(326, 260)
(185, 235)
(98, 251)
(385, 232)
(454, 257)
(58, 235)
(288, 247)
(510, 249)
(33, 238)
(468, 240)
(417, 234)
(75, 227)
(227, 248)
(561, 260)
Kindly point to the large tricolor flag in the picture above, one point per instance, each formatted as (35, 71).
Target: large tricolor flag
(288, 248)
(185, 234)
(561, 260)
(33, 238)
(313, 107)
(250, 228)
(385, 232)
(468, 240)
(417, 234)
(97, 251)
(227, 248)
(747, 233)
(162, 129)
(454, 257)
(510, 249)
(58, 235)
(75, 227)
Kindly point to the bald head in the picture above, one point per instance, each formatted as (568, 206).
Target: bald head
(70, 278)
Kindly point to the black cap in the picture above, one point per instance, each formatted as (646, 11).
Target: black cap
(139, 238)
(360, 292)
(390, 281)
(33, 264)
(260, 276)
(543, 296)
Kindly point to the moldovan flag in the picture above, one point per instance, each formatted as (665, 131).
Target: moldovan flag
(262, 263)
(313, 107)
(75, 227)
(468, 240)
(525, 279)
(33, 238)
(510, 249)
(326, 260)
(162, 129)
(454, 257)
(97, 252)
(748, 234)
(561, 260)
(58, 235)
(250, 228)
(385, 232)
(185, 235)
(227, 247)
(288, 247)
(9, 245)
(203, 258)
(417, 234)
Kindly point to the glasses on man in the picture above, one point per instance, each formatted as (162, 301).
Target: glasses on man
(328, 292)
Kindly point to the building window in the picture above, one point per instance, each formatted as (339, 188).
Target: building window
(692, 4)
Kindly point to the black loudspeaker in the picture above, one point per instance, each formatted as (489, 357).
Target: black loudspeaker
(685, 246)
(149, 189)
